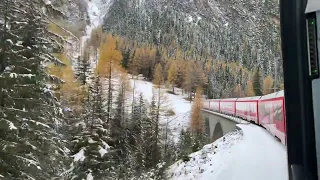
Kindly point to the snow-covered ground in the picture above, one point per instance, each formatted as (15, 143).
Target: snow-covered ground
(97, 9)
(249, 153)
(177, 103)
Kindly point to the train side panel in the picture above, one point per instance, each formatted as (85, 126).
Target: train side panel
(206, 104)
(247, 108)
(228, 106)
(271, 114)
(215, 105)
(211, 104)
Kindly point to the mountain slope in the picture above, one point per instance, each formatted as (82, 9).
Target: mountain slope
(243, 31)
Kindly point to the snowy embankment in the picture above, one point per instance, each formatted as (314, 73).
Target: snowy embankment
(176, 103)
(248, 153)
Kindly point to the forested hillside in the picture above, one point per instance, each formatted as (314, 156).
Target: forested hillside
(242, 32)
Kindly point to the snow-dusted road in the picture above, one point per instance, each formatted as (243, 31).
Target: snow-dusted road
(251, 155)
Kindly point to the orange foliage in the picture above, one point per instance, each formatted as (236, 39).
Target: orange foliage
(109, 56)
(197, 124)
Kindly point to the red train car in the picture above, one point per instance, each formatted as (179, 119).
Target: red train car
(247, 108)
(214, 105)
(272, 114)
(267, 111)
(206, 104)
(228, 106)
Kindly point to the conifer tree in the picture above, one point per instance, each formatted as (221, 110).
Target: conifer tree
(172, 75)
(237, 92)
(30, 147)
(137, 122)
(96, 39)
(250, 91)
(83, 66)
(91, 150)
(126, 59)
(158, 81)
(109, 60)
(197, 123)
(185, 144)
(153, 155)
(268, 85)
(257, 83)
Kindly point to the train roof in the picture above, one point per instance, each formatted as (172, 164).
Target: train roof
(249, 98)
(229, 99)
(212, 99)
(273, 95)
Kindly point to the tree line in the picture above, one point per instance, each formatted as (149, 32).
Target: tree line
(219, 79)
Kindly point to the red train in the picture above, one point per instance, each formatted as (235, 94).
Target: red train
(267, 111)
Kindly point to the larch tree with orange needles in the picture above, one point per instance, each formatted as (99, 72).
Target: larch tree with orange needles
(173, 75)
(109, 60)
(249, 89)
(268, 85)
(197, 125)
(70, 93)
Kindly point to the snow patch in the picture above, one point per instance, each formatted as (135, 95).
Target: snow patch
(12, 126)
(102, 151)
(13, 75)
(89, 176)
(79, 156)
(47, 2)
(37, 122)
(189, 19)
(10, 41)
(177, 103)
(91, 141)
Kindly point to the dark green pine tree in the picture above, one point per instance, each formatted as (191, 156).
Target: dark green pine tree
(185, 144)
(120, 135)
(172, 153)
(198, 141)
(136, 131)
(126, 58)
(153, 154)
(30, 147)
(257, 83)
(91, 150)
(83, 68)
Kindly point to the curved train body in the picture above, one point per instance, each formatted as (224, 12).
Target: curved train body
(267, 111)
